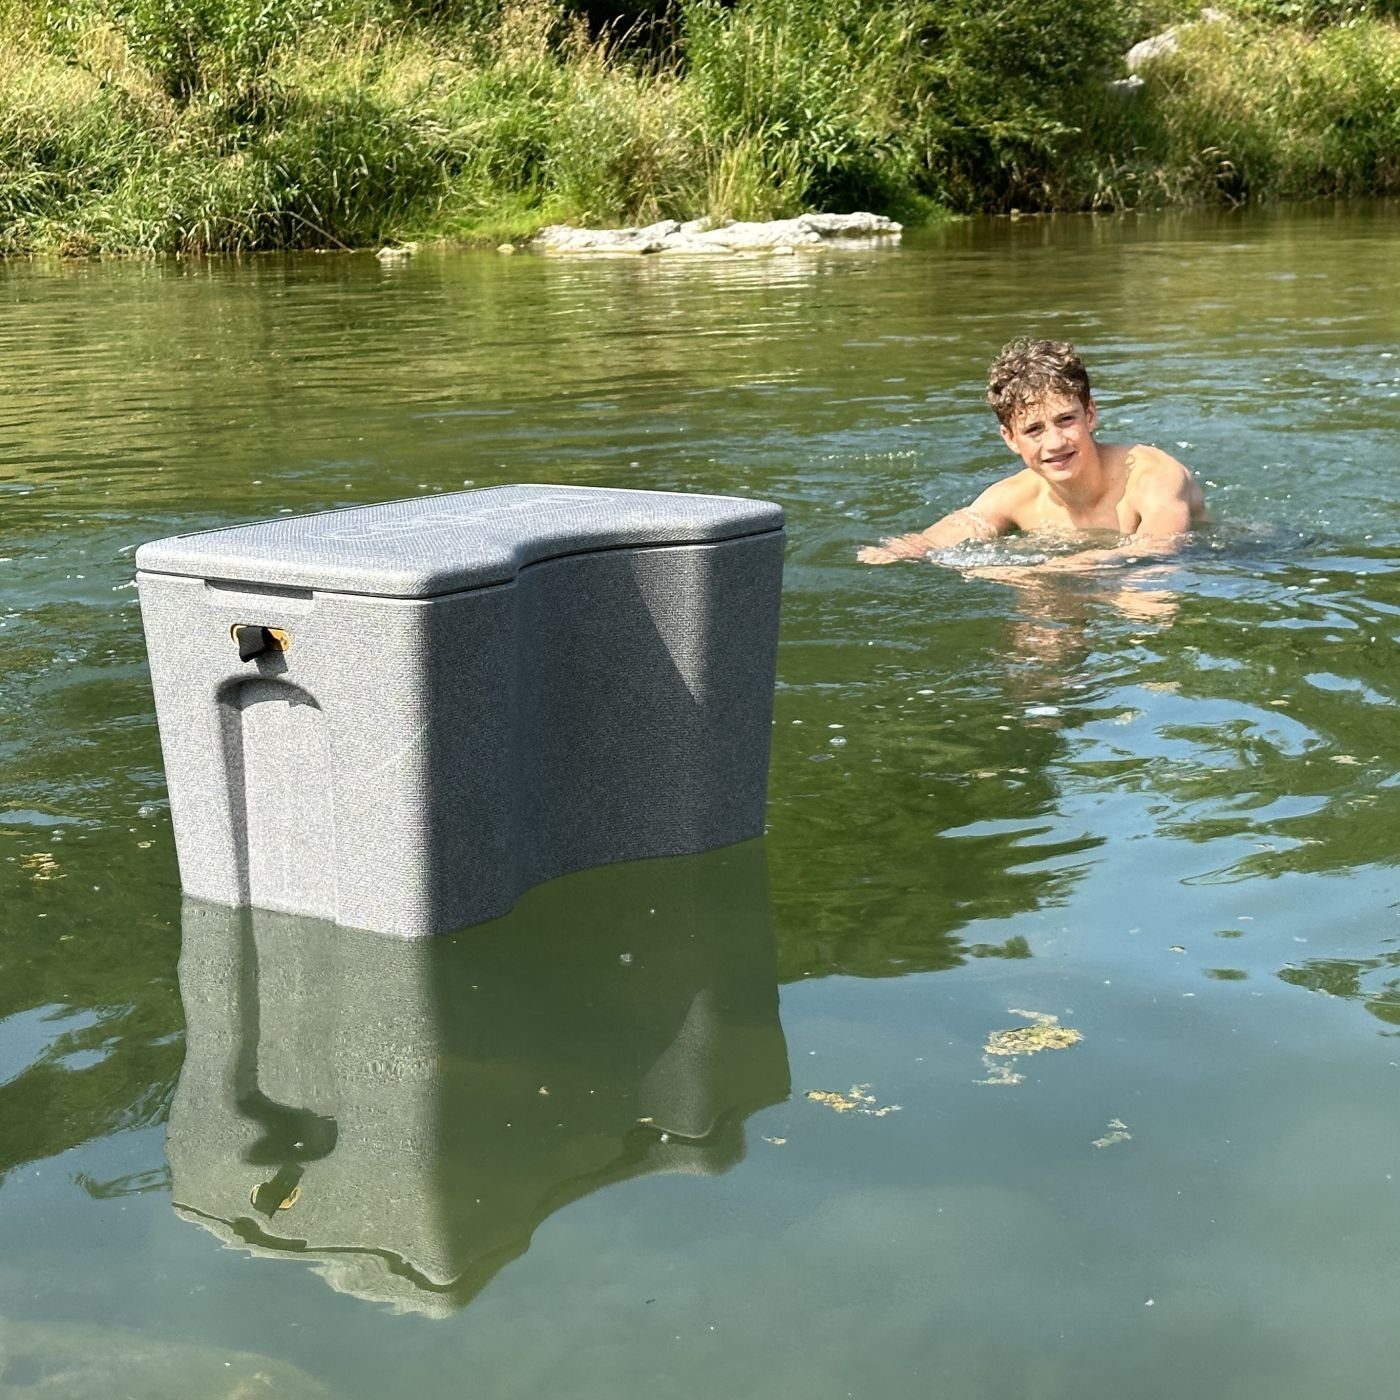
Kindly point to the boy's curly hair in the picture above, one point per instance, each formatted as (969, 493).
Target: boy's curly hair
(1029, 371)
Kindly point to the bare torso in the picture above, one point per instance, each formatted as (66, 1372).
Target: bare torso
(1128, 469)
(1134, 491)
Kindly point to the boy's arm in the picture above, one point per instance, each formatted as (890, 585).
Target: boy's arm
(987, 517)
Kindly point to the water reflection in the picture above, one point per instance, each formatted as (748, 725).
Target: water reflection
(406, 1114)
(1280, 748)
(950, 757)
(1048, 793)
(1060, 620)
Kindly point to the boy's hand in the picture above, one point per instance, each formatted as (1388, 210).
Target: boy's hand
(893, 548)
(1001, 573)
(879, 554)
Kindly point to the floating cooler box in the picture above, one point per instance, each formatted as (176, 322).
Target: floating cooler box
(399, 717)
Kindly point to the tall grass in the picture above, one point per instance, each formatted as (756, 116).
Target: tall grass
(808, 98)
(1249, 112)
(201, 125)
(1246, 112)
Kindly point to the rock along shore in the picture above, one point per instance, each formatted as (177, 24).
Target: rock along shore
(701, 236)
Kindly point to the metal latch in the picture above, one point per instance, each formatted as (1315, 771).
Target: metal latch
(253, 640)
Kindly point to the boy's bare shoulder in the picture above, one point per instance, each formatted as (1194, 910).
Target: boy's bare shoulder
(1142, 459)
(1144, 468)
(1152, 475)
(1009, 498)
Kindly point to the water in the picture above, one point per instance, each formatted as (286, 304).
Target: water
(574, 1152)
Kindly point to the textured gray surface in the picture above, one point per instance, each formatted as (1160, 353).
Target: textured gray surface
(431, 545)
(412, 765)
(397, 1085)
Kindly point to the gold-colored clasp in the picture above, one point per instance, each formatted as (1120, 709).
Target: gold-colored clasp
(277, 639)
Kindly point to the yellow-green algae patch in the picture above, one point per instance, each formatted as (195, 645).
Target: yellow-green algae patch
(1117, 1132)
(858, 1100)
(1044, 1033)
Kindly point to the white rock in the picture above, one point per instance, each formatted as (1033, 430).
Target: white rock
(660, 230)
(852, 225)
(697, 236)
(561, 238)
(692, 243)
(1168, 42)
(1161, 45)
(747, 236)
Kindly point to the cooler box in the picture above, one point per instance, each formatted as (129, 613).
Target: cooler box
(399, 717)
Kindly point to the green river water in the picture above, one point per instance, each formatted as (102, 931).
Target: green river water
(573, 1152)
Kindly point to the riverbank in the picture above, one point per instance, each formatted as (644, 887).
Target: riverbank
(207, 125)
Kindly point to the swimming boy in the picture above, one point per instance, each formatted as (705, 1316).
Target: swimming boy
(1039, 390)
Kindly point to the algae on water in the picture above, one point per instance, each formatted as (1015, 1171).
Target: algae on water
(1004, 1048)
(858, 1100)
(1117, 1132)
(1044, 1033)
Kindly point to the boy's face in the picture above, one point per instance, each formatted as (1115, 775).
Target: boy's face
(1054, 437)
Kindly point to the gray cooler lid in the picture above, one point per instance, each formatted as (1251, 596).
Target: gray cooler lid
(431, 545)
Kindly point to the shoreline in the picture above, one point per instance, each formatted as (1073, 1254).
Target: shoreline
(408, 249)
(411, 248)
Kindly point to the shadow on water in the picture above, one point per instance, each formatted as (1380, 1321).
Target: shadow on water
(405, 1114)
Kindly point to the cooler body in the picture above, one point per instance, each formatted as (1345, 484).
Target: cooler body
(441, 720)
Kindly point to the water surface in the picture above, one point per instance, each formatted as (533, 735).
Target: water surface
(573, 1152)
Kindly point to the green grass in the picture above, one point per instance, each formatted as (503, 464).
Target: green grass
(204, 125)
(1249, 111)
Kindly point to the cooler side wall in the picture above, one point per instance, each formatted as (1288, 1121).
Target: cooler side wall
(298, 779)
(638, 719)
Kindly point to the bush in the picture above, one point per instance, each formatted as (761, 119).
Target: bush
(1316, 14)
(1004, 93)
(191, 47)
(1245, 112)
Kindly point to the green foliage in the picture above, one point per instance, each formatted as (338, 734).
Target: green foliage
(1005, 88)
(191, 45)
(1245, 113)
(805, 95)
(575, 134)
(1317, 14)
(62, 140)
(755, 177)
(201, 125)
(883, 103)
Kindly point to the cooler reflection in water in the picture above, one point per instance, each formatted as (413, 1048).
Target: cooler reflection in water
(405, 1114)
